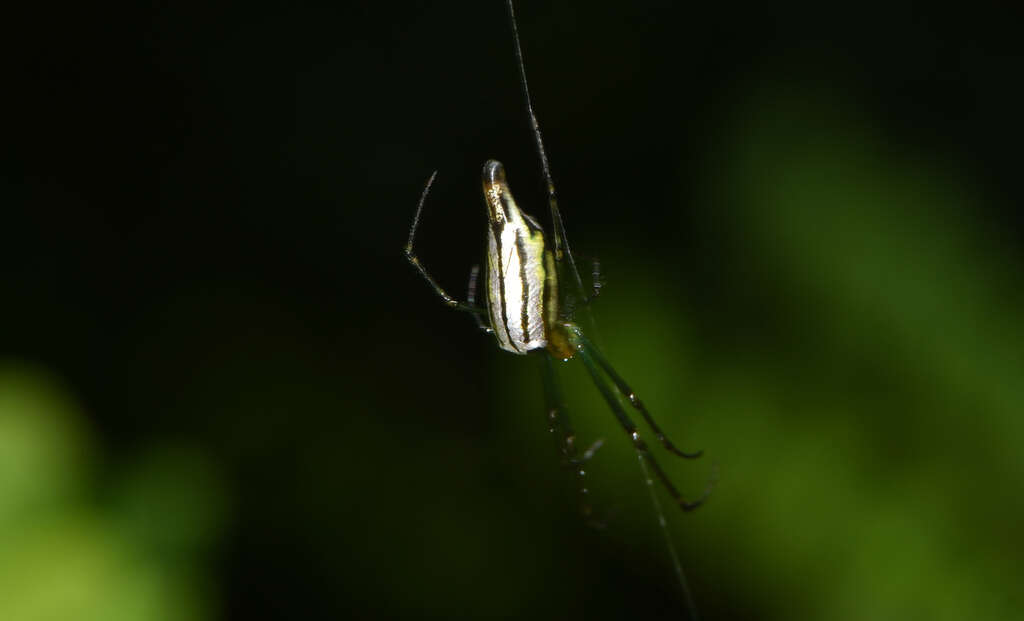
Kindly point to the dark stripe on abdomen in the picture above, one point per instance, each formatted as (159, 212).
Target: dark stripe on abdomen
(524, 313)
(501, 290)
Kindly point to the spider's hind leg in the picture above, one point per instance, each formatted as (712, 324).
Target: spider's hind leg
(565, 438)
(595, 362)
(634, 400)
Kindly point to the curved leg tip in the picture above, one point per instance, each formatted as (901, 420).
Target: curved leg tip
(691, 505)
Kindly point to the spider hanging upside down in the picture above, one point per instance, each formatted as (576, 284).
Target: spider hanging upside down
(525, 311)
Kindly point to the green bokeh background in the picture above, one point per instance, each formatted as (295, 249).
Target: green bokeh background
(223, 394)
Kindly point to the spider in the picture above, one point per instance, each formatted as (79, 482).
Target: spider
(527, 312)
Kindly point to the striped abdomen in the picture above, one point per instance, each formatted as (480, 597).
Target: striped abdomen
(522, 295)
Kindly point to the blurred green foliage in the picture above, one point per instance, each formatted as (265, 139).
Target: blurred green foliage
(80, 545)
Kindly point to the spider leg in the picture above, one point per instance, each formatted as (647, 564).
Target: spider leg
(593, 448)
(471, 299)
(565, 437)
(415, 261)
(586, 353)
(634, 400)
(595, 283)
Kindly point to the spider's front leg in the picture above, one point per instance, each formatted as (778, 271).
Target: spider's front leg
(410, 256)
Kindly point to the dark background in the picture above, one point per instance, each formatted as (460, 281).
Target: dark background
(225, 395)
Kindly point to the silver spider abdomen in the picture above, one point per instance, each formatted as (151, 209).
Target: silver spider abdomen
(521, 291)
